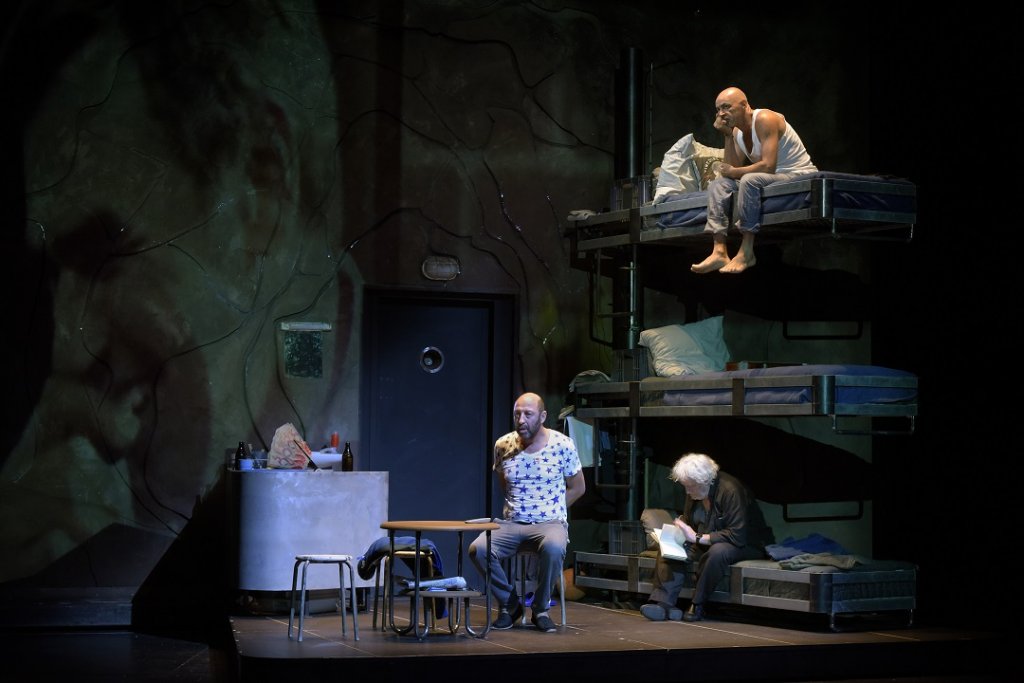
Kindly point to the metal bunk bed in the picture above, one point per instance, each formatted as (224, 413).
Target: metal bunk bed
(821, 205)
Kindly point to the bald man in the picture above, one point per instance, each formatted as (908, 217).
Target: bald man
(540, 473)
(760, 148)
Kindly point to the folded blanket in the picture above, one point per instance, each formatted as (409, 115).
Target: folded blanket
(812, 543)
(818, 559)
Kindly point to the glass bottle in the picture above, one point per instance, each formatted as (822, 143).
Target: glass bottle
(239, 455)
(346, 458)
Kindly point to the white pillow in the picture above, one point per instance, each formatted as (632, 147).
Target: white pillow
(687, 349)
(678, 174)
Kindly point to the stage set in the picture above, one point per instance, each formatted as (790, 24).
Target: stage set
(612, 641)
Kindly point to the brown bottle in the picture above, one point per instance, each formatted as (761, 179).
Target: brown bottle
(346, 458)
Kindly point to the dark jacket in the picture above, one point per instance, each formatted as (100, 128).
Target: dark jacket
(735, 516)
(380, 548)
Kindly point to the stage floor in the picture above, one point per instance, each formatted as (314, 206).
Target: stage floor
(605, 643)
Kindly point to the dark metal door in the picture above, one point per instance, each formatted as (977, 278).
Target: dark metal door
(434, 379)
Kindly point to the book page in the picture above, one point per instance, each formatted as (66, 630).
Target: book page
(670, 541)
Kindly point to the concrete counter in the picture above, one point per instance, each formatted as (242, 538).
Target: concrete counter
(278, 514)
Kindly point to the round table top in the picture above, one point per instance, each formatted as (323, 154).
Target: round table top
(437, 525)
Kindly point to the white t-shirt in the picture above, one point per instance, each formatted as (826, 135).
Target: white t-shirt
(792, 157)
(535, 482)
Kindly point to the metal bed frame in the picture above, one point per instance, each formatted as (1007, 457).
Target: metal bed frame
(823, 217)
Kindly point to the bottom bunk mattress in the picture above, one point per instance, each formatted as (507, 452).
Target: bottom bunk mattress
(866, 587)
(826, 388)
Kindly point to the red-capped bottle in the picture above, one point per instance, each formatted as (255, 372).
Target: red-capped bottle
(334, 440)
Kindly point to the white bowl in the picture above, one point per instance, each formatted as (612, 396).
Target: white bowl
(325, 459)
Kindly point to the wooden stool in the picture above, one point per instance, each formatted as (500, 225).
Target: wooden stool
(342, 561)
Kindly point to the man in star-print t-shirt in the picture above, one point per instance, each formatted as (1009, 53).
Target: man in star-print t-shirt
(539, 471)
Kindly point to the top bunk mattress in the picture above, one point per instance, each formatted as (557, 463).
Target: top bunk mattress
(823, 194)
(828, 194)
(820, 204)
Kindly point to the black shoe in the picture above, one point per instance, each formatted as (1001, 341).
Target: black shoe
(543, 622)
(365, 570)
(507, 619)
(695, 613)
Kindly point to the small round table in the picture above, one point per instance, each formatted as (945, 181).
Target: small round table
(418, 527)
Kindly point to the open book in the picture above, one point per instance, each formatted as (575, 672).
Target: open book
(670, 540)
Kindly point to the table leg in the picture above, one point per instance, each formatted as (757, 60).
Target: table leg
(416, 594)
(487, 594)
(390, 588)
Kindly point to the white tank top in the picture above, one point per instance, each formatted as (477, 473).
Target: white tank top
(792, 156)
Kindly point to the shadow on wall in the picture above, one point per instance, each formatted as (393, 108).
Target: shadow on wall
(774, 290)
(104, 581)
(779, 467)
(188, 592)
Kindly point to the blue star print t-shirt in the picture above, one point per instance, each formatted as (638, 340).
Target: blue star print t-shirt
(535, 482)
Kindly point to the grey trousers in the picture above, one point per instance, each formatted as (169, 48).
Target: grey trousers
(670, 575)
(547, 539)
(745, 194)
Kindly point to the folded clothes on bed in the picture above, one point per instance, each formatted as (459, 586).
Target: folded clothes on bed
(813, 543)
(819, 559)
(588, 376)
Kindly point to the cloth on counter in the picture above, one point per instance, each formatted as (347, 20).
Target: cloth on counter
(288, 451)
(818, 559)
(813, 543)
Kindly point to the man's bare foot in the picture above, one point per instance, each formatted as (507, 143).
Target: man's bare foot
(710, 264)
(739, 263)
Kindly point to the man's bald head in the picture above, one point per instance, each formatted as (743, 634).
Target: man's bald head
(528, 416)
(530, 398)
(731, 95)
(732, 110)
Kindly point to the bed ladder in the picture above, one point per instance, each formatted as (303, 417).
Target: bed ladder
(632, 448)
